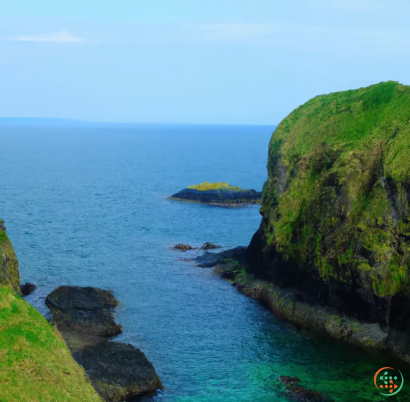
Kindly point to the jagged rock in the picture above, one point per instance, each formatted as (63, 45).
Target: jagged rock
(183, 247)
(2, 227)
(27, 288)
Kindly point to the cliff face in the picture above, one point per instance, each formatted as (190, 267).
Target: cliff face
(9, 272)
(35, 363)
(335, 209)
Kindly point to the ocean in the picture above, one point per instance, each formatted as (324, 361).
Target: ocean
(87, 206)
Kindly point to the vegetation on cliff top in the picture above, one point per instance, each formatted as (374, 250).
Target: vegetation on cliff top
(35, 363)
(215, 186)
(336, 201)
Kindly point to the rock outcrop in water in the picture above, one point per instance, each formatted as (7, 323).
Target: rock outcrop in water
(228, 196)
(84, 316)
(27, 288)
(335, 228)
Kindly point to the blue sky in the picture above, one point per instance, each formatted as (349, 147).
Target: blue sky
(185, 61)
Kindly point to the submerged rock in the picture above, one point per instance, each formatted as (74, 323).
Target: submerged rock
(27, 288)
(208, 260)
(183, 247)
(84, 316)
(297, 393)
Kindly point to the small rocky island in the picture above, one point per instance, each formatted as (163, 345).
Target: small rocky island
(219, 194)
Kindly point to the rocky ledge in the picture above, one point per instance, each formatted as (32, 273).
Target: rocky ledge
(84, 316)
(294, 306)
(219, 197)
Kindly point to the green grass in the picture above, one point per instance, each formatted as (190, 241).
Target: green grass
(215, 186)
(336, 152)
(35, 363)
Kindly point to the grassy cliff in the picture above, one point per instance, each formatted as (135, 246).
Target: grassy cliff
(336, 204)
(336, 200)
(35, 363)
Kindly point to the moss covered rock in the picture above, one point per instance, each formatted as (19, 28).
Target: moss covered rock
(336, 206)
(9, 271)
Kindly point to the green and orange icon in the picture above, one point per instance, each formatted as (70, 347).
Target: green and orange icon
(388, 380)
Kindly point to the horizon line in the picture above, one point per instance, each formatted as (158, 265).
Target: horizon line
(92, 122)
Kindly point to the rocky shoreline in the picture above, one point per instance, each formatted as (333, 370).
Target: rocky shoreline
(295, 307)
(84, 317)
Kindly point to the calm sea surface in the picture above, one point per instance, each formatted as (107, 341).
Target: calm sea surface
(87, 206)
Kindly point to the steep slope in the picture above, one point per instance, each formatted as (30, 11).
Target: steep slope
(335, 209)
(9, 272)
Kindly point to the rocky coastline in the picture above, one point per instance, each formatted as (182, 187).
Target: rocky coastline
(297, 307)
(79, 342)
(84, 317)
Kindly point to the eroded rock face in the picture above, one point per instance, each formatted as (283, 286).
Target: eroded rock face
(84, 316)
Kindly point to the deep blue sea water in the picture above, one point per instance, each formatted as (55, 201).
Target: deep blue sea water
(86, 206)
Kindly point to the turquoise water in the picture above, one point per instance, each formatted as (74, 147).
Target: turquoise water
(87, 206)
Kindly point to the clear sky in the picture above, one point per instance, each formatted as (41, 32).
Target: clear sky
(191, 61)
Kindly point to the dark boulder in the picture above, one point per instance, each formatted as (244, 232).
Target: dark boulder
(27, 288)
(118, 370)
(84, 309)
